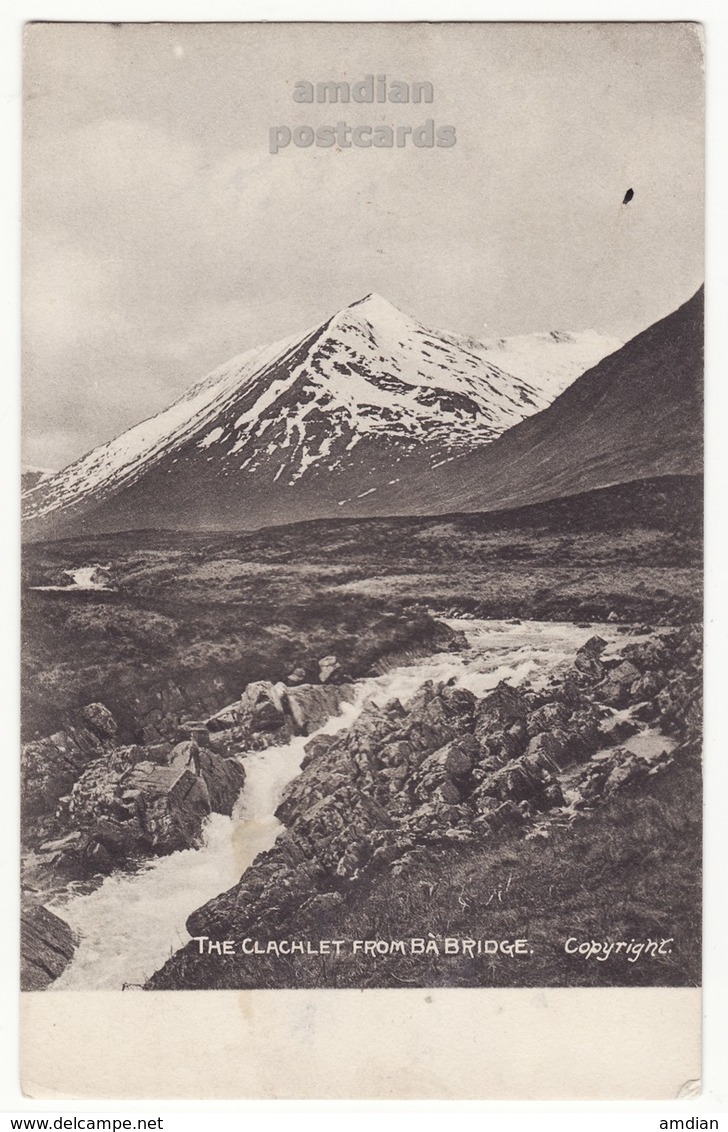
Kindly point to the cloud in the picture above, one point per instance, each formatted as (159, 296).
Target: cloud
(161, 237)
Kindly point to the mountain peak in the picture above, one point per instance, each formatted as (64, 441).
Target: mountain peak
(380, 315)
(375, 305)
(370, 297)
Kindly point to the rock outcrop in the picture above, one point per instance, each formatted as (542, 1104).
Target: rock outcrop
(125, 805)
(47, 944)
(51, 765)
(269, 713)
(111, 804)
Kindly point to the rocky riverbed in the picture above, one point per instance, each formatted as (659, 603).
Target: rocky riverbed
(534, 728)
(446, 772)
(93, 806)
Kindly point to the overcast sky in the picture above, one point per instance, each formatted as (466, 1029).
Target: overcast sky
(162, 237)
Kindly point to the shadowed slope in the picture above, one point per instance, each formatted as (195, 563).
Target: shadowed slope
(637, 414)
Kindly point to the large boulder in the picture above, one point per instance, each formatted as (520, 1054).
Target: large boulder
(97, 792)
(172, 804)
(329, 669)
(261, 706)
(311, 705)
(47, 944)
(615, 688)
(125, 804)
(100, 720)
(223, 777)
(587, 659)
(444, 775)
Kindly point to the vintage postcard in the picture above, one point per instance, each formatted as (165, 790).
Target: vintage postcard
(362, 520)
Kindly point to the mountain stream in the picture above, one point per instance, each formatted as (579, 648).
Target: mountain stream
(130, 925)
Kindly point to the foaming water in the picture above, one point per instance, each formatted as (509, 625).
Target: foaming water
(502, 650)
(85, 578)
(130, 925)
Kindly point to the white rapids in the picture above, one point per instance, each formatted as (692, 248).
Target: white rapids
(85, 578)
(131, 924)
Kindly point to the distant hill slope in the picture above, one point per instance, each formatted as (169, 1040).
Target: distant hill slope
(30, 477)
(637, 414)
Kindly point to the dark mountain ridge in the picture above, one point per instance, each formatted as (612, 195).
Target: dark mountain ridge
(636, 415)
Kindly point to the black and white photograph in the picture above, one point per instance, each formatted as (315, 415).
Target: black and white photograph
(362, 506)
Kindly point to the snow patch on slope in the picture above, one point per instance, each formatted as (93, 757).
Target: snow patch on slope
(118, 459)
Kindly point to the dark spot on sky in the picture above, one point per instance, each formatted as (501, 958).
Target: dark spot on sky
(628, 196)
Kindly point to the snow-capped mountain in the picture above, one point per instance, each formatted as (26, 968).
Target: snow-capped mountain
(313, 425)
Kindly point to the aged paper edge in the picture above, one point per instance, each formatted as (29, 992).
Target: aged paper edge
(551, 1044)
(452, 1044)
